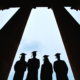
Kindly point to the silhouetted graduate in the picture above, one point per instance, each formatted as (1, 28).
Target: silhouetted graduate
(60, 68)
(33, 66)
(46, 69)
(20, 68)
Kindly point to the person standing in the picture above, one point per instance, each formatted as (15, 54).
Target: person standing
(46, 69)
(20, 68)
(60, 68)
(33, 66)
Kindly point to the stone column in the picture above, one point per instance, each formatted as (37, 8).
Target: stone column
(70, 33)
(10, 36)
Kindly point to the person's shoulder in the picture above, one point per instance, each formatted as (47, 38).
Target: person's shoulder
(62, 61)
(38, 60)
(42, 65)
(50, 63)
(18, 61)
(29, 60)
(55, 61)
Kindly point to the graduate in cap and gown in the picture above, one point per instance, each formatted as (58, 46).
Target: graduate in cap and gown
(33, 66)
(46, 69)
(20, 68)
(60, 68)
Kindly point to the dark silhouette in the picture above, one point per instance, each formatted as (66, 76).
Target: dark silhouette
(46, 69)
(33, 66)
(20, 68)
(60, 68)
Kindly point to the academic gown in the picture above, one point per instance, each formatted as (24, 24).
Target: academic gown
(61, 70)
(46, 72)
(19, 68)
(33, 65)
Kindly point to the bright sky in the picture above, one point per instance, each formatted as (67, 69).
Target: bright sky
(41, 34)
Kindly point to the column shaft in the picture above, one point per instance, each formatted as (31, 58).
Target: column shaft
(70, 33)
(10, 36)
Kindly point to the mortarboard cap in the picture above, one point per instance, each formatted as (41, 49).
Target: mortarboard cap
(34, 52)
(57, 54)
(45, 56)
(22, 54)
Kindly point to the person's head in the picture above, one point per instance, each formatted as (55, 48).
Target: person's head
(57, 56)
(34, 54)
(46, 60)
(22, 56)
